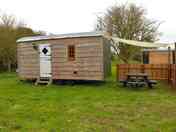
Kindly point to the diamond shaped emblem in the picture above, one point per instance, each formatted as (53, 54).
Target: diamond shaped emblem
(45, 51)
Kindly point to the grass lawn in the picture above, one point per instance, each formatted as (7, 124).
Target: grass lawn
(84, 107)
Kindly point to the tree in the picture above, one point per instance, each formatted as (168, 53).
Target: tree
(10, 31)
(128, 21)
(7, 33)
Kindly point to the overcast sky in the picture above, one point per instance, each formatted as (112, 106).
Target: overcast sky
(66, 16)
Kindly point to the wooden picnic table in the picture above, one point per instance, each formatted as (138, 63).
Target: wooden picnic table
(138, 80)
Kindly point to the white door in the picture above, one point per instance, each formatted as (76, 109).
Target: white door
(45, 60)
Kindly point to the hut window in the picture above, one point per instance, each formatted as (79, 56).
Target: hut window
(71, 52)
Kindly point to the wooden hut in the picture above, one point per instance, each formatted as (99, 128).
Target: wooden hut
(158, 56)
(77, 56)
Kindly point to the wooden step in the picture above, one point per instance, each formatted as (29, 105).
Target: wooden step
(43, 82)
(46, 81)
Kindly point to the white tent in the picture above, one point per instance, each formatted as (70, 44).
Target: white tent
(116, 40)
(140, 43)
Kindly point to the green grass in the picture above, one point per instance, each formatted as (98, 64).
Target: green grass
(103, 107)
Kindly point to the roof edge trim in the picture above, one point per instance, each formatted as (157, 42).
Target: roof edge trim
(60, 36)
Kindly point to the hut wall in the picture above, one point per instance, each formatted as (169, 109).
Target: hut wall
(28, 64)
(92, 59)
(159, 57)
(88, 64)
(106, 57)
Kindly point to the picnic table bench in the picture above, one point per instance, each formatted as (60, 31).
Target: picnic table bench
(138, 80)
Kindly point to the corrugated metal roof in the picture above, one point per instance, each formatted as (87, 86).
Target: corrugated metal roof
(48, 37)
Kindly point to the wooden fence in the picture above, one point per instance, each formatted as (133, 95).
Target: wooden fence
(173, 75)
(155, 71)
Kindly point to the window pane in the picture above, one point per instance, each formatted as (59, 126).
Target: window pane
(71, 52)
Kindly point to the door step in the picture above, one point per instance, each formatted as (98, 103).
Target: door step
(43, 80)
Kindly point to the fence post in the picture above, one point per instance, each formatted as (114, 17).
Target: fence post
(174, 69)
(142, 68)
(169, 73)
(174, 77)
(175, 54)
(169, 64)
(169, 55)
(117, 72)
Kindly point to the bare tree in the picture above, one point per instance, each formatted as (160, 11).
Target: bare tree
(128, 21)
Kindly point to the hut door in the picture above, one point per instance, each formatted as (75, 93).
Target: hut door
(45, 60)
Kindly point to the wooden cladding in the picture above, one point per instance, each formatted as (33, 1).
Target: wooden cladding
(72, 59)
(71, 52)
(155, 71)
(162, 57)
(173, 75)
(88, 64)
(28, 64)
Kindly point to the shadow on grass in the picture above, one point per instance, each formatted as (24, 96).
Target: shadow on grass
(136, 89)
(108, 84)
(79, 82)
(68, 83)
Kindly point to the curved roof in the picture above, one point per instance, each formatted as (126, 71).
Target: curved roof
(93, 34)
(60, 36)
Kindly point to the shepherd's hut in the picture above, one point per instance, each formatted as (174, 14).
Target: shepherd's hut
(77, 56)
